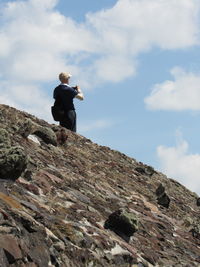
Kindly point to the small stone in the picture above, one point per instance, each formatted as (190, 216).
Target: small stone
(6, 229)
(59, 246)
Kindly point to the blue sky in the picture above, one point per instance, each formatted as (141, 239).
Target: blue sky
(137, 62)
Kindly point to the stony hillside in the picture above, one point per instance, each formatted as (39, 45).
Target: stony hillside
(65, 201)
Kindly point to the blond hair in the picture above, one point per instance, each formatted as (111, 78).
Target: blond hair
(64, 76)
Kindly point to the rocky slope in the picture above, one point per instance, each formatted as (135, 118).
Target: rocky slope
(65, 201)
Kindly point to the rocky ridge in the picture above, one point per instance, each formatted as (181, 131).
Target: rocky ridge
(65, 201)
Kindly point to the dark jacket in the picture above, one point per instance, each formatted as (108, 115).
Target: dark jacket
(64, 95)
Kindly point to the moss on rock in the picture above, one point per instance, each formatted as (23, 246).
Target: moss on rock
(13, 162)
(4, 138)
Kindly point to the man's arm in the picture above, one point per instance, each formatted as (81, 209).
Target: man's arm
(80, 95)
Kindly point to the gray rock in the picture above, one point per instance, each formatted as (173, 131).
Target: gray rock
(27, 128)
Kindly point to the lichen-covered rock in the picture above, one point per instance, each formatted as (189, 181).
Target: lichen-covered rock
(13, 162)
(123, 223)
(29, 127)
(47, 135)
(4, 138)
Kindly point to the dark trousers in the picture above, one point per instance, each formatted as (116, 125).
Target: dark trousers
(69, 122)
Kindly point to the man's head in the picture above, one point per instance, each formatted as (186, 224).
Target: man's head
(64, 77)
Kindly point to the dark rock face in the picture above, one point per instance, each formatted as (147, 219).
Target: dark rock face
(72, 203)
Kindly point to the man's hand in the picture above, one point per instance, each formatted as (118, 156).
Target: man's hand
(80, 95)
(78, 88)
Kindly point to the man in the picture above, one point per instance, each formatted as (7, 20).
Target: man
(64, 95)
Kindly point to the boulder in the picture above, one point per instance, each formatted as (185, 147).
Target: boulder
(47, 135)
(145, 170)
(13, 162)
(162, 198)
(123, 223)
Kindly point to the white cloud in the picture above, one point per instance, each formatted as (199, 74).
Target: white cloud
(136, 25)
(181, 94)
(114, 68)
(41, 40)
(37, 41)
(88, 126)
(26, 96)
(176, 162)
